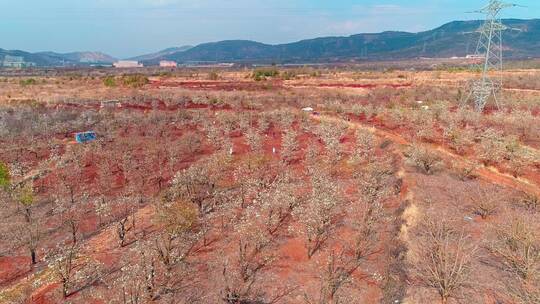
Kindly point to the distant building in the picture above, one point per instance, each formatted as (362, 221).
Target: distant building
(127, 64)
(167, 64)
(475, 56)
(16, 62)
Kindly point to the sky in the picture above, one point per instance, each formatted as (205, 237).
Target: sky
(125, 28)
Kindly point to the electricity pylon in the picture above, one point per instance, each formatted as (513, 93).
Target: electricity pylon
(490, 51)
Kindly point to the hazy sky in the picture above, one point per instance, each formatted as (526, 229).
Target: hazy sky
(125, 28)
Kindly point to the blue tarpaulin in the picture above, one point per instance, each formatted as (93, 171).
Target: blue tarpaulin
(84, 137)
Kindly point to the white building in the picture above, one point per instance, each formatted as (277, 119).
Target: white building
(167, 64)
(15, 62)
(127, 64)
(479, 56)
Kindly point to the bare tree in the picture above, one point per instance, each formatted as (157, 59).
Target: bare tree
(193, 142)
(263, 124)
(71, 199)
(136, 283)
(459, 139)
(334, 276)
(530, 202)
(63, 263)
(516, 251)
(289, 145)
(277, 204)
(103, 211)
(365, 146)
(519, 159)
(492, 147)
(254, 175)
(136, 175)
(376, 181)
(175, 243)
(125, 222)
(28, 229)
(331, 136)
(340, 270)
(465, 171)
(129, 286)
(215, 135)
(443, 259)
(485, 201)
(318, 215)
(197, 185)
(425, 160)
(254, 140)
(241, 272)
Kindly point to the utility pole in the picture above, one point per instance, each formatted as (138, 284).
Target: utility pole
(489, 51)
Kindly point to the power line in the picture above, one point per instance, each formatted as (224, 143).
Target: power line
(490, 51)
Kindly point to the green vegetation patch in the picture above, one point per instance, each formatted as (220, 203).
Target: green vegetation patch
(4, 176)
(27, 82)
(262, 74)
(109, 81)
(134, 81)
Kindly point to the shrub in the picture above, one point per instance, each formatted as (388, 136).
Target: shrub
(26, 196)
(465, 172)
(288, 75)
(177, 217)
(214, 101)
(164, 74)
(213, 76)
(530, 203)
(135, 81)
(517, 251)
(423, 159)
(458, 139)
(109, 81)
(485, 202)
(493, 147)
(518, 157)
(27, 82)
(262, 74)
(518, 248)
(4, 176)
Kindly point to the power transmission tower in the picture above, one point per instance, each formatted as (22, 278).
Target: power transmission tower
(490, 51)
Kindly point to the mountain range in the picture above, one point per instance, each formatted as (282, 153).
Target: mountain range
(458, 38)
(161, 54)
(44, 59)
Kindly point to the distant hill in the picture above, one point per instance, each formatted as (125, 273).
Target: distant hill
(82, 57)
(57, 59)
(456, 38)
(162, 53)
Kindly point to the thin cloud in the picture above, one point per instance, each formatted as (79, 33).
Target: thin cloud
(376, 18)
